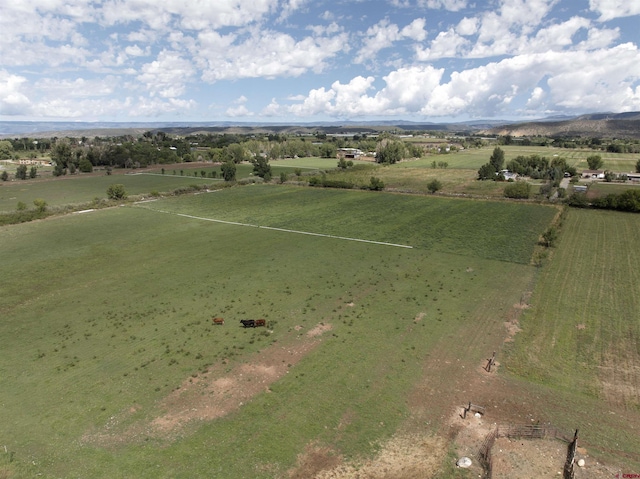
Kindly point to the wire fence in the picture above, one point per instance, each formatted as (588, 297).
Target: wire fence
(527, 431)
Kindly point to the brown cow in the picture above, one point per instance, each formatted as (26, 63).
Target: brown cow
(260, 322)
(219, 321)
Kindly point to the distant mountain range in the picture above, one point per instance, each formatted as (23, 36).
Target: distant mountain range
(603, 125)
(621, 125)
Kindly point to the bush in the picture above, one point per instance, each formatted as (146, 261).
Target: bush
(434, 185)
(518, 190)
(116, 192)
(40, 204)
(21, 172)
(578, 200)
(375, 184)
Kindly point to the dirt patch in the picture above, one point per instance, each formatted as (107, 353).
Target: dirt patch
(404, 456)
(319, 330)
(211, 395)
(419, 317)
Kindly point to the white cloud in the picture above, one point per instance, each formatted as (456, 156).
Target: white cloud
(445, 45)
(451, 5)
(194, 15)
(269, 54)
(238, 111)
(573, 81)
(136, 51)
(12, 100)
(77, 88)
(610, 9)
(167, 75)
(415, 30)
(384, 34)
(467, 26)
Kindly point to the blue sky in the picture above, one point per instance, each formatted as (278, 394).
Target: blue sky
(316, 60)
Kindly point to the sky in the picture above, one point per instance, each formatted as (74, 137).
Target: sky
(294, 61)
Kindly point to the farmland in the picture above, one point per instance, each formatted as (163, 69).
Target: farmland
(380, 307)
(107, 313)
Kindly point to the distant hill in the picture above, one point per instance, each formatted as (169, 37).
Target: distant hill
(601, 125)
(618, 125)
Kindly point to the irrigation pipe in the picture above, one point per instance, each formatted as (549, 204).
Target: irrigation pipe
(345, 238)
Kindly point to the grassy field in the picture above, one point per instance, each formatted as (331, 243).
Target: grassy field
(82, 188)
(105, 314)
(581, 337)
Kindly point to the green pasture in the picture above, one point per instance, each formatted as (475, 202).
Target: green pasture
(105, 313)
(603, 188)
(580, 338)
(474, 158)
(82, 189)
(493, 230)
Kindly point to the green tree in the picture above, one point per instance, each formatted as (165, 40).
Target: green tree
(497, 158)
(61, 154)
(434, 185)
(262, 168)
(328, 150)
(85, 165)
(487, 172)
(6, 149)
(283, 177)
(116, 192)
(228, 171)
(595, 162)
(638, 166)
(237, 152)
(4, 176)
(33, 172)
(389, 152)
(21, 206)
(21, 172)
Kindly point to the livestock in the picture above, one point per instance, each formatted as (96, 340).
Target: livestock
(248, 323)
(219, 321)
(260, 322)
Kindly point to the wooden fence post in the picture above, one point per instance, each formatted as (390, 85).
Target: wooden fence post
(490, 362)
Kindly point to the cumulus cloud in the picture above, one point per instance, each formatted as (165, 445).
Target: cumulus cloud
(12, 100)
(166, 76)
(451, 5)
(384, 34)
(610, 9)
(270, 54)
(561, 79)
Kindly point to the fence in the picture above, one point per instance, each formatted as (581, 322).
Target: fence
(526, 431)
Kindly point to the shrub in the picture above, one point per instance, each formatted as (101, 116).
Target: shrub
(116, 192)
(518, 190)
(434, 185)
(376, 184)
(40, 204)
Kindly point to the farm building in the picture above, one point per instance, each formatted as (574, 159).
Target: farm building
(633, 176)
(350, 153)
(593, 174)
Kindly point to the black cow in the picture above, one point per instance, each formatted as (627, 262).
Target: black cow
(248, 323)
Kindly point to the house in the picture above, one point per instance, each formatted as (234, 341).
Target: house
(349, 153)
(509, 175)
(593, 174)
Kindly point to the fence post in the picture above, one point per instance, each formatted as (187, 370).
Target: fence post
(490, 362)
